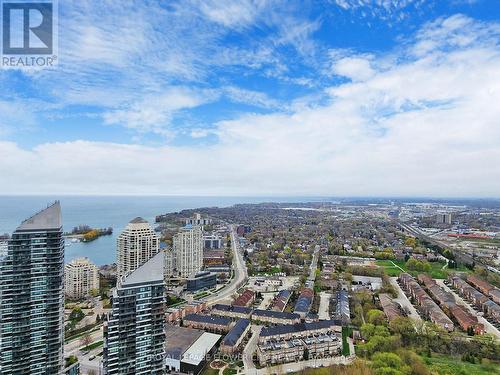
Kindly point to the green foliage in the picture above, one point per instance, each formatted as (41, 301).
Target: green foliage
(418, 265)
(71, 360)
(376, 317)
(76, 315)
(446, 365)
(389, 363)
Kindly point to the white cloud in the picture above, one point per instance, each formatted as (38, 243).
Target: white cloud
(425, 125)
(154, 113)
(255, 98)
(355, 68)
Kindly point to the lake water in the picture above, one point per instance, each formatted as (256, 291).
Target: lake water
(106, 211)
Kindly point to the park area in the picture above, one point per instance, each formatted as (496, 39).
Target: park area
(437, 270)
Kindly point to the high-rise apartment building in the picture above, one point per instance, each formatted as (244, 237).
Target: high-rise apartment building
(134, 334)
(32, 297)
(197, 219)
(443, 218)
(135, 246)
(185, 258)
(80, 278)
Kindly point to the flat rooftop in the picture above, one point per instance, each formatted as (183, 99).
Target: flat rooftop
(179, 339)
(198, 351)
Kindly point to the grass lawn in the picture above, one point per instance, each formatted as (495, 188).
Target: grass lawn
(229, 371)
(210, 371)
(389, 268)
(346, 332)
(443, 365)
(436, 271)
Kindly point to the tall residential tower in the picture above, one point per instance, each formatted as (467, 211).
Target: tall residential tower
(185, 258)
(135, 246)
(134, 334)
(81, 277)
(32, 297)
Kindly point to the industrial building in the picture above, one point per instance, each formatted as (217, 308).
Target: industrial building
(230, 343)
(188, 350)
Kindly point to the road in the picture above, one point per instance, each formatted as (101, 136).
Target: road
(250, 348)
(404, 301)
(314, 265)
(297, 367)
(488, 327)
(240, 272)
(73, 347)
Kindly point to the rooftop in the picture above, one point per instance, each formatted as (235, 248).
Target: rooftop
(198, 351)
(179, 339)
(138, 220)
(48, 218)
(296, 328)
(235, 333)
(151, 271)
(208, 319)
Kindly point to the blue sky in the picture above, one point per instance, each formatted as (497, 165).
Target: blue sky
(340, 97)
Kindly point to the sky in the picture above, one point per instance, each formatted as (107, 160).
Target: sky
(320, 98)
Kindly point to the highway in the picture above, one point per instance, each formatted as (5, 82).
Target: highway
(240, 272)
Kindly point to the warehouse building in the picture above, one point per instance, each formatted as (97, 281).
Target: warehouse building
(188, 350)
(230, 344)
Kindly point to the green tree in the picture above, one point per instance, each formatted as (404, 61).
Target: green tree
(376, 317)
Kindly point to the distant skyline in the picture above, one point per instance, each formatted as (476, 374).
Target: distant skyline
(339, 98)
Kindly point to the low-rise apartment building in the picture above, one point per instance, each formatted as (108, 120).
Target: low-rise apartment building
(294, 342)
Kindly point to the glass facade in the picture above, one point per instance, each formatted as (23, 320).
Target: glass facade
(31, 298)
